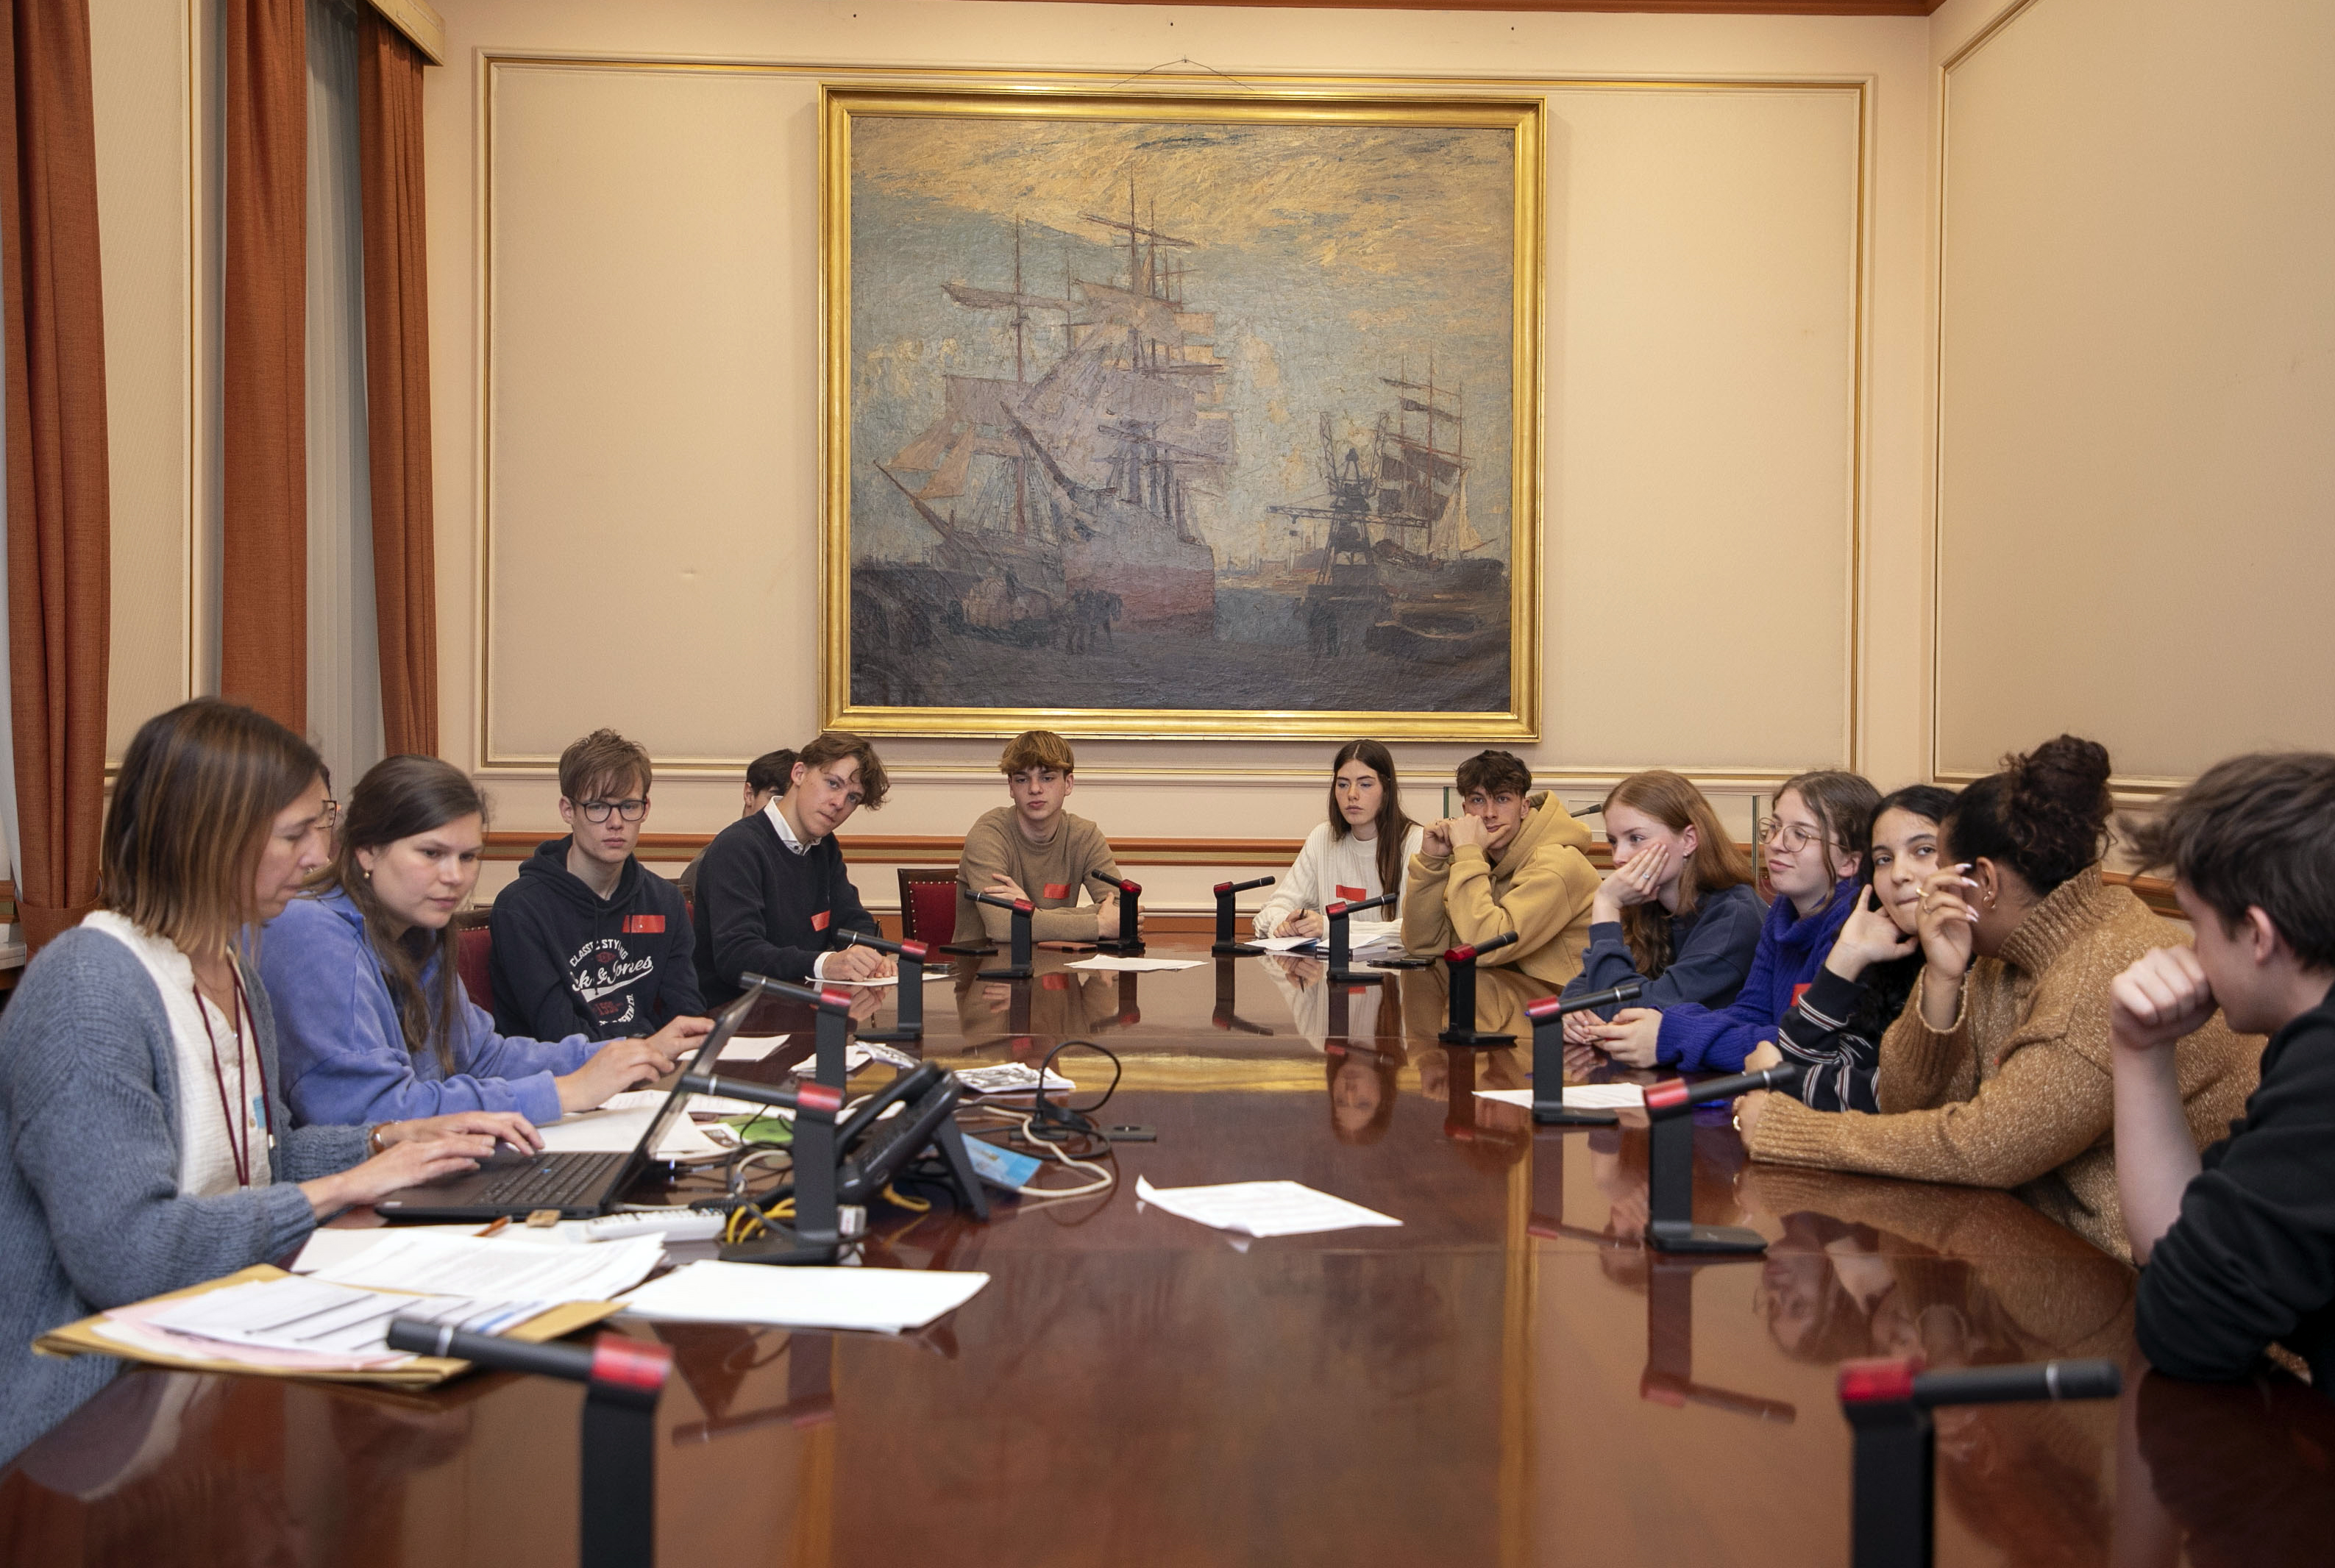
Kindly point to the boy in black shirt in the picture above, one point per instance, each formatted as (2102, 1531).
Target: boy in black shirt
(772, 894)
(2238, 1244)
(587, 940)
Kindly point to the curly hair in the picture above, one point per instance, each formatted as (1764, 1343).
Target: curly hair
(2045, 814)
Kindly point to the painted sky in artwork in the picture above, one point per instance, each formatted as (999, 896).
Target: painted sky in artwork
(1329, 257)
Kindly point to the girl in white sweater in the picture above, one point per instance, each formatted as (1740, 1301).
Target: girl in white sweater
(1358, 854)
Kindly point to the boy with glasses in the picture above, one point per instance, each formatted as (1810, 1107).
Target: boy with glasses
(587, 940)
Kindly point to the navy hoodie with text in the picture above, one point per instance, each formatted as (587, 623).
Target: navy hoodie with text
(566, 960)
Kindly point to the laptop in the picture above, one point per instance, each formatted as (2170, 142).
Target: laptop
(579, 1186)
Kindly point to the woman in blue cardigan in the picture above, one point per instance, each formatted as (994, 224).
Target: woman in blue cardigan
(144, 1142)
(375, 1021)
(1814, 843)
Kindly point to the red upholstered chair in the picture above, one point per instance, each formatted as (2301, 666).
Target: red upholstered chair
(474, 956)
(928, 904)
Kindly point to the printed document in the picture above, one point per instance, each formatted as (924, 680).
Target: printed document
(1261, 1208)
(886, 1301)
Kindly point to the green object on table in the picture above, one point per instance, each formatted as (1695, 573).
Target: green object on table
(763, 1131)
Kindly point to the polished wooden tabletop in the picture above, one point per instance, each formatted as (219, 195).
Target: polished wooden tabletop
(1506, 1379)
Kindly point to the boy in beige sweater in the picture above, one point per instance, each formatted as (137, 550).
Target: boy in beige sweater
(1512, 861)
(1034, 850)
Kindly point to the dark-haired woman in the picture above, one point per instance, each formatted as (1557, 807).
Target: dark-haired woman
(375, 1021)
(1357, 855)
(144, 1141)
(1835, 1029)
(1679, 913)
(1999, 1076)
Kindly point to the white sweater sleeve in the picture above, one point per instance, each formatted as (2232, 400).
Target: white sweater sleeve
(1300, 886)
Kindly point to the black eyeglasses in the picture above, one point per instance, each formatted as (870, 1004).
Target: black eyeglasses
(630, 810)
(329, 816)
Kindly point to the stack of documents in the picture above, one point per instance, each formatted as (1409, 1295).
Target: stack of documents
(1365, 937)
(1010, 1078)
(490, 1268)
(302, 1324)
(886, 1301)
(1261, 1208)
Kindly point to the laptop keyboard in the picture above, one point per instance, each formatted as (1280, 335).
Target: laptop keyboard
(561, 1182)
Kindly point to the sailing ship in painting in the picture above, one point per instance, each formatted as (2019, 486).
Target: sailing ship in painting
(1064, 503)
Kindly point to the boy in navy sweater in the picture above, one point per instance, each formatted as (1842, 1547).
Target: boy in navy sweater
(587, 940)
(773, 897)
(2238, 1244)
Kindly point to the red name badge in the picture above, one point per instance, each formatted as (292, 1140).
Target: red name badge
(1800, 990)
(1058, 890)
(819, 920)
(1352, 895)
(644, 925)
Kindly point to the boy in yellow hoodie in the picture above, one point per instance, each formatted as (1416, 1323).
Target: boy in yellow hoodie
(1512, 862)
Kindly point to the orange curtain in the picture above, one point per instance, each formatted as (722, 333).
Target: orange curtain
(397, 385)
(59, 591)
(264, 584)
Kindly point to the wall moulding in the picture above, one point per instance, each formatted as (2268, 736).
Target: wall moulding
(502, 749)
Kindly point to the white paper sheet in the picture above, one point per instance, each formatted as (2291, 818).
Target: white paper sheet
(318, 1317)
(1112, 962)
(932, 973)
(490, 1269)
(329, 1246)
(1261, 1208)
(617, 1125)
(1010, 1078)
(1285, 943)
(1577, 1097)
(752, 1046)
(886, 1301)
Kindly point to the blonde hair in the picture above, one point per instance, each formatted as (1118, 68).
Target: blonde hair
(199, 787)
(1716, 863)
(1037, 748)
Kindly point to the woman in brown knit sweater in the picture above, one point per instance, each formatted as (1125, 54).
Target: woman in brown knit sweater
(1997, 1074)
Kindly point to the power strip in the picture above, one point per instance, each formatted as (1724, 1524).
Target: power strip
(673, 1224)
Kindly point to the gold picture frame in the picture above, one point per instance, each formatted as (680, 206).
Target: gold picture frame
(1065, 549)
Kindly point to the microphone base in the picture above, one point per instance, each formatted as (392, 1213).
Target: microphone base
(1476, 1039)
(1401, 963)
(784, 1247)
(1234, 950)
(968, 950)
(1124, 949)
(1355, 977)
(908, 1036)
(1676, 1237)
(1544, 1114)
(1010, 971)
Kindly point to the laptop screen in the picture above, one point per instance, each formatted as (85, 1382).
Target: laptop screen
(708, 1053)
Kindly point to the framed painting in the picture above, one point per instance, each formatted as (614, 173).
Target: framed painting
(1181, 416)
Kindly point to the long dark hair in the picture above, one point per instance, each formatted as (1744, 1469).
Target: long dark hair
(398, 797)
(1394, 826)
(2044, 816)
(1888, 984)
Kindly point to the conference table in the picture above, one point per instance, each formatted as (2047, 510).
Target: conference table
(1505, 1378)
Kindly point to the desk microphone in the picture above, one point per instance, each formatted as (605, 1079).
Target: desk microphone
(1893, 1485)
(1460, 969)
(908, 1012)
(1128, 943)
(1023, 911)
(1548, 1015)
(1341, 951)
(832, 1010)
(1670, 1161)
(622, 1379)
(1224, 942)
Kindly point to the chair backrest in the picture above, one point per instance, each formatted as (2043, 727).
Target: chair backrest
(927, 903)
(474, 960)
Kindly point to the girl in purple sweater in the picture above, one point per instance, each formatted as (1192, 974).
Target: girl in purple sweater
(1813, 844)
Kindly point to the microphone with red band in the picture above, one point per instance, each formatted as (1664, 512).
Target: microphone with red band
(1893, 1495)
(1022, 910)
(1341, 948)
(829, 998)
(1224, 944)
(908, 1018)
(1674, 1095)
(1548, 1015)
(622, 1379)
(818, 1099)
(1459, 971)
(1128, 943)
(833, 1007)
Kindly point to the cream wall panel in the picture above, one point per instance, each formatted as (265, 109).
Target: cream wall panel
(1703, 402)
(617, 421)
(2136, 380)
(141, 53)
